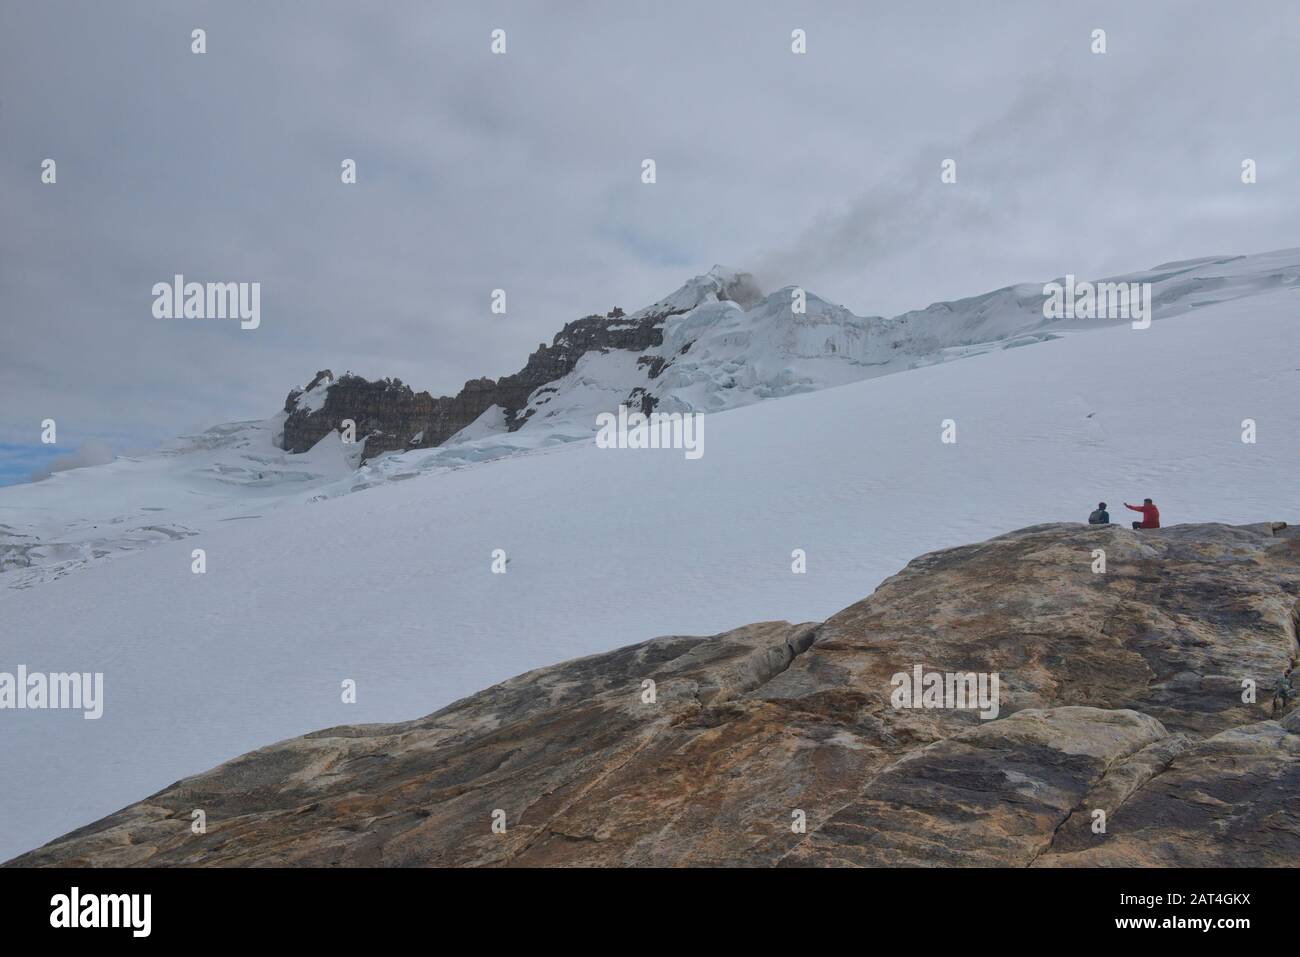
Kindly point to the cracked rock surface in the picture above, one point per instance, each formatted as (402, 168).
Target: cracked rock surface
(1123, 692)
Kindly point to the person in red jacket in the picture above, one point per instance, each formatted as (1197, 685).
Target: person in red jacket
(1150, 514)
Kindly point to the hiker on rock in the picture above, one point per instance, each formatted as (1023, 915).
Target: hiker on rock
(1099, 515)
(1283, 692)
(1150, 514)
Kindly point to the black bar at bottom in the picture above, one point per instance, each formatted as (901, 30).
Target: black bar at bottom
(558, 907)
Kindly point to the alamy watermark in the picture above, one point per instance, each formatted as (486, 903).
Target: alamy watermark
(950, 690)
(179, 299)
(658, 430)
(80, 691)
(75, 909)
(1098, 300)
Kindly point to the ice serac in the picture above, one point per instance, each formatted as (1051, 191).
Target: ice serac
(1120, 692)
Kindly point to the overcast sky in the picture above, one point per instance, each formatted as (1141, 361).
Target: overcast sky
(523, 171)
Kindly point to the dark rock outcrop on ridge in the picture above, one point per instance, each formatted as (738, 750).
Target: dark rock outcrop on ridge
(1124, 693)
(391, 416)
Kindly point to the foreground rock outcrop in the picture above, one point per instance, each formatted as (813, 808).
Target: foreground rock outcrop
(1124, 698)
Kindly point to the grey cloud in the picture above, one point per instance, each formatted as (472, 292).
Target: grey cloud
(92, 452)
(522, 172)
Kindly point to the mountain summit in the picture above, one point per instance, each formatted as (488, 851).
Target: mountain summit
(566, 379)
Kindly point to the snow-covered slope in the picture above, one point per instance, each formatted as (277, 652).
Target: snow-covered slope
(731, 349)
(724, 345)
(393, 588)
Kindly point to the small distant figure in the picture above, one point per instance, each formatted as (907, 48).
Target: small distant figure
(1283, 692)
(1150, 514)
(1099, 515)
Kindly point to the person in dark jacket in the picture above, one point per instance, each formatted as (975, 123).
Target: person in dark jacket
(1150, 514)
(1099, 516)
(1283, 692)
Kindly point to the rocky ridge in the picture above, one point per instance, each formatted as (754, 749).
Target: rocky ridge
(390, 416)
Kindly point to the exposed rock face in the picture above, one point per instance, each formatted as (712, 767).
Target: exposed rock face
(387, 413)
(391, 416)
(1120, 692)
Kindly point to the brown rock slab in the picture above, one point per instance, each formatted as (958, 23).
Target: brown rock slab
(777, 744)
